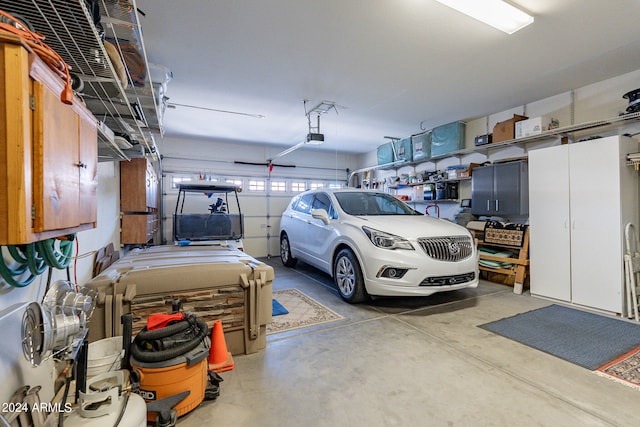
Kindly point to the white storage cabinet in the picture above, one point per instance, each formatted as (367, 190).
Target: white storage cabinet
(581, 196)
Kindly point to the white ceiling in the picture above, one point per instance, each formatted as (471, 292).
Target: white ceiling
(392, 66)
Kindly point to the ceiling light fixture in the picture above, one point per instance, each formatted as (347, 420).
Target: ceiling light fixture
(497, 13)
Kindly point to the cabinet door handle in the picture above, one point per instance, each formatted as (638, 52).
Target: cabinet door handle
(488, 205)
(81, 165)
(497, 205)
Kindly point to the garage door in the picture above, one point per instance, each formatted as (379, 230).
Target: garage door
(262, 200)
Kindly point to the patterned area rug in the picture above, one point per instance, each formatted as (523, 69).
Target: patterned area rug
(304, 311)
(625, 369)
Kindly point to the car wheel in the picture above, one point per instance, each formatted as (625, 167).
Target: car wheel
(285, 252)
(348, 277)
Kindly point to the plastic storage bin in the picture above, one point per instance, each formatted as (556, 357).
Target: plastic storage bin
(385, 154)
(404, 149)
(447, 138)
(421, 145)
(214, 281)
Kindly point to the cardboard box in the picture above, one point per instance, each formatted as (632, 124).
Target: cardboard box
(466, 173)
(453, 171)
(506, 130)
(533, 126)
(460, 172)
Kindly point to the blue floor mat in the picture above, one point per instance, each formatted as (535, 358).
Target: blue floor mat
(586, 339)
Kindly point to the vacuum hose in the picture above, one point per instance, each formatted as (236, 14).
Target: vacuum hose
(150, 346)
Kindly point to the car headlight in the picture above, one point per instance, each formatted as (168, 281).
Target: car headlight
(386, 240)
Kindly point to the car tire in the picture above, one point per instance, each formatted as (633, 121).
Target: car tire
(347, 276)
(285, 252)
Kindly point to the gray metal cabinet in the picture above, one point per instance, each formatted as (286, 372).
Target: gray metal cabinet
(500, 189)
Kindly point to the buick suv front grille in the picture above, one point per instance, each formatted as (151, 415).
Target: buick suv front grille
(448, 280)
(450, 248)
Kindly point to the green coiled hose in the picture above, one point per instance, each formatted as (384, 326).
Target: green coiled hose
(9, 274)
(35, 261)
(52, 257)
(36, 258)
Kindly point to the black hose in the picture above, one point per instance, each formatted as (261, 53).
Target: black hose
(167, 331)
(154, 356)
(127, 325)
(123, 410)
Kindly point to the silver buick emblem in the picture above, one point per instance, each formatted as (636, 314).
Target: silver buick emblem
(454, 248)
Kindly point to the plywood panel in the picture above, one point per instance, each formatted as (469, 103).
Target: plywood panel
(15, 145)
(56, 173)
(138, 229)
(138, 184)
(89, 167)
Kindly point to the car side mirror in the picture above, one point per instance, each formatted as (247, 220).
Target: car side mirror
(321, 214)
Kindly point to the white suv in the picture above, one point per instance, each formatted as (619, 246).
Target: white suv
(371, 243)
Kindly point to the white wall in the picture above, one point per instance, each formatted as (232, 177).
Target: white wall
(599, 101)
(215, 160)
(15, 370)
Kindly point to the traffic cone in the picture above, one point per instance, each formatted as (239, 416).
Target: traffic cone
(219, 358)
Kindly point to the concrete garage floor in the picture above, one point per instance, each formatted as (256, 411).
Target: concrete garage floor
(410, 362)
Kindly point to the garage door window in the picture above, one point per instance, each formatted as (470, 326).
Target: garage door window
(256, 185)
(298, 186)
(278, 186)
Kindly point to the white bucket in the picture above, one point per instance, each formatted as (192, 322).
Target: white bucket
(104, 355)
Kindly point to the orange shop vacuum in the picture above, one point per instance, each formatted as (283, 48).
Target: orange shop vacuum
(170, 368)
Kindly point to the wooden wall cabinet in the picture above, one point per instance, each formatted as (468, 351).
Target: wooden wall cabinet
(48, 152)
(138, 229)
(139, 185)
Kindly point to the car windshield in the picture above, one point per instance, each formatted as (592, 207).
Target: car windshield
(370, 203)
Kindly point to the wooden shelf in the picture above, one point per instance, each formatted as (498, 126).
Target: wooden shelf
(565, 131)
(520, 262)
